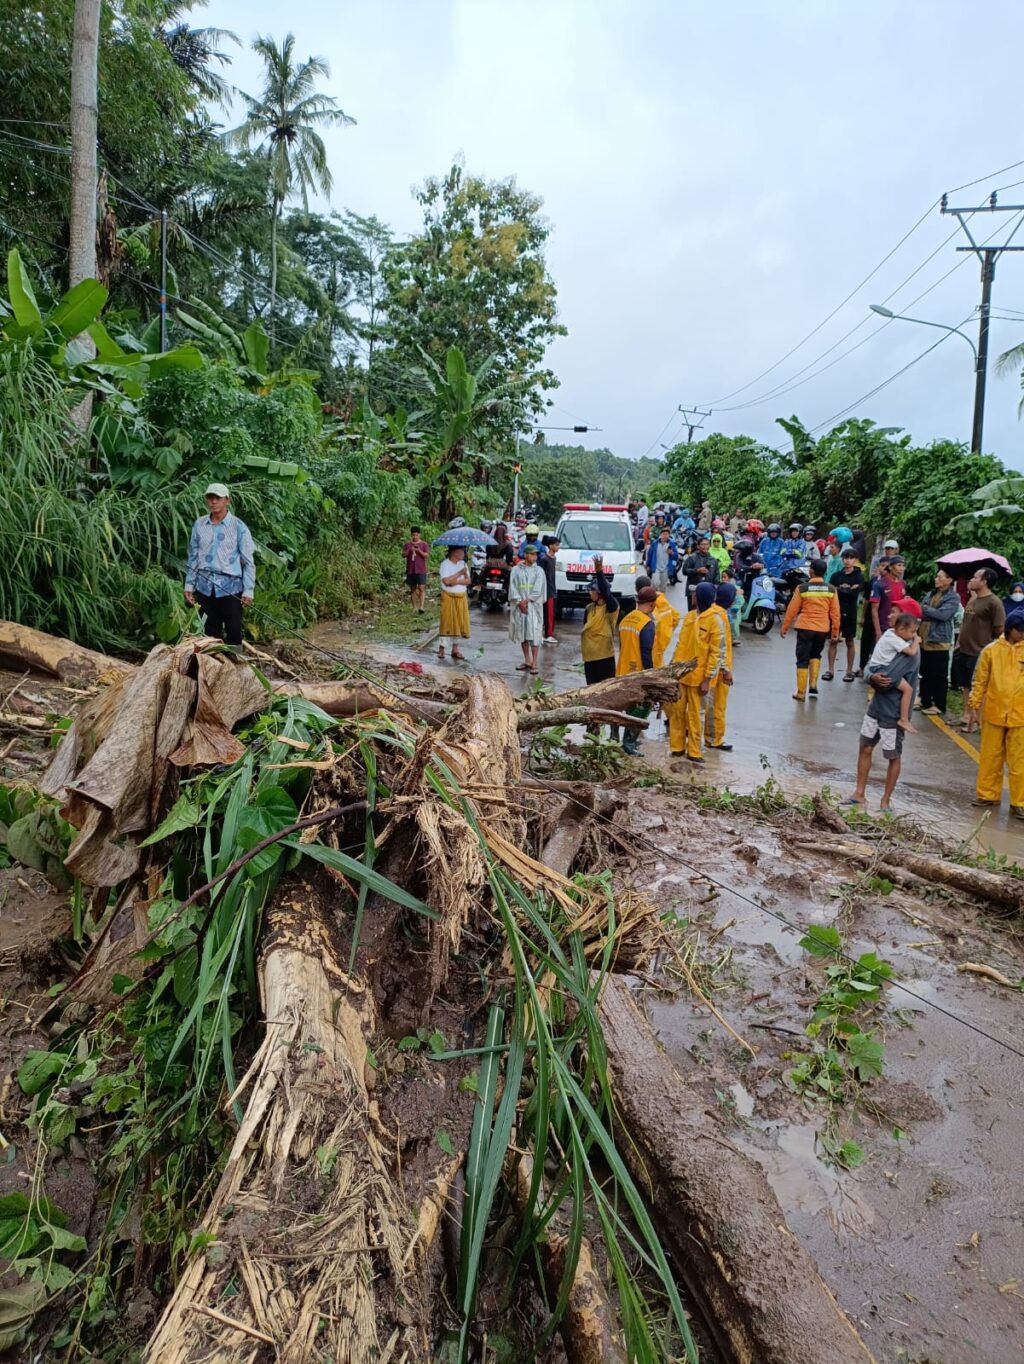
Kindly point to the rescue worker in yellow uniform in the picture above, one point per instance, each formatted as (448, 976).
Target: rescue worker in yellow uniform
(666, 618)
(997, 694)
(814, 609)
(700, 639)
(718, 697)
(636, 654)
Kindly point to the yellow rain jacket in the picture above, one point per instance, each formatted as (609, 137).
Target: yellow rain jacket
(631, 658)
(701, 638)
(666, 618)
(998, 690)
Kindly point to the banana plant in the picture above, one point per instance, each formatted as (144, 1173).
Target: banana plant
(460, 406)
(57, 335)
(248, 351)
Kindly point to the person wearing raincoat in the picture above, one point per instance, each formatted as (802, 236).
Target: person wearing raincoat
(703, 638)
(527, 591)
(718, 696)
(997, 693)
(719, 552)
(666, 618)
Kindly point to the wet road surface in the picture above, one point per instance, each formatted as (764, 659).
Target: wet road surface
(804, 747)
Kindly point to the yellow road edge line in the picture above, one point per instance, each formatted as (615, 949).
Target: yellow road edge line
(960, 742)
(958, 739)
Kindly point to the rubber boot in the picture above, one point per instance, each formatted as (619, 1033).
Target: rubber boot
(801, 685)
(814, 670)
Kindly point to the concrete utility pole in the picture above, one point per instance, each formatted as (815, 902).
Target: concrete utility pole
(987, 255)
(689, 413)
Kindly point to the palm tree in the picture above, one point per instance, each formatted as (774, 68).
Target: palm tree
(282, 124)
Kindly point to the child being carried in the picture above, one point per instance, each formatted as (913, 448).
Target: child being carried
(900, 640)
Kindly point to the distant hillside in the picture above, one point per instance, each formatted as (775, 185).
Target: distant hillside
(555, 474)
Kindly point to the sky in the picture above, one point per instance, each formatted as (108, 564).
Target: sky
(718, 179)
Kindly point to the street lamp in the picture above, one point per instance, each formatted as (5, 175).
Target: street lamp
(578, 430)
(979, 392)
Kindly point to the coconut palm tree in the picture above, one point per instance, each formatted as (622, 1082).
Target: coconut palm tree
(281, 123)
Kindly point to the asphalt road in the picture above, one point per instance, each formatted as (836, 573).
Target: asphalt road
(805, 747)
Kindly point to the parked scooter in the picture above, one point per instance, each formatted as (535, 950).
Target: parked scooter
(758, 610)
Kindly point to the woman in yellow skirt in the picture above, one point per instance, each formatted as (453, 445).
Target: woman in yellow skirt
(455, 578)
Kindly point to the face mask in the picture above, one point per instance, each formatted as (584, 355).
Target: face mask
(1017, 596)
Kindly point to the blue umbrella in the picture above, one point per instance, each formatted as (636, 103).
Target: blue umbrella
(463, 537)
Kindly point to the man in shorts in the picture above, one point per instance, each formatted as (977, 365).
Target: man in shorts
(881, 726)
(416, 551)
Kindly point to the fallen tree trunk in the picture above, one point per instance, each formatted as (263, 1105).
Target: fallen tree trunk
(619, 693)
(578, 715)
(23, 647)
(760, 1292)
(983, 885)
(341, 699)
(308, 1248)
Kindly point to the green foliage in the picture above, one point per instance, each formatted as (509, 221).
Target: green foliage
(729, 472)
(996, 520)
(475, 278)
(556, 474)
(845, 1056)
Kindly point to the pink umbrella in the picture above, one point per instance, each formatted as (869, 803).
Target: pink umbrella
(965, 562)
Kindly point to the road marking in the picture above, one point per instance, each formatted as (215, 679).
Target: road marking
(958, 739)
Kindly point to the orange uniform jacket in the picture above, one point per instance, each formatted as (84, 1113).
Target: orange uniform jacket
(815, 606)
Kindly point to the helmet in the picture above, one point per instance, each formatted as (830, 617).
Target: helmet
(796, 526)
(487, 527)
(744, 545)
(456, 523)
(811, 531)
(775, 528)
(718, 524)
(659, 516)
(532, 529)
(756, 526)
(684, 511)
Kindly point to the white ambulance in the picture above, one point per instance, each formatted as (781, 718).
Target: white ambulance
(589, 529)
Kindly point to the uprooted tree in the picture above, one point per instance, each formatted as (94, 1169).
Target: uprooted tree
(341, 1021)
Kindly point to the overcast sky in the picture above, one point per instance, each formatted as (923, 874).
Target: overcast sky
(718, 178)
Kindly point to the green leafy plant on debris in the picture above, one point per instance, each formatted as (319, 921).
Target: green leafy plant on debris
(845, 1055)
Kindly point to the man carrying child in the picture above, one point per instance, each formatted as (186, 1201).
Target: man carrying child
(892, 673)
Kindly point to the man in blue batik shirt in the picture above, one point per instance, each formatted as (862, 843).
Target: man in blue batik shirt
(221, 574)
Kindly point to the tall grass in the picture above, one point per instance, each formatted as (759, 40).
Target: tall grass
(80, 558)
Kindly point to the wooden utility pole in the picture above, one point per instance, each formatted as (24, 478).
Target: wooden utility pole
(84, 116)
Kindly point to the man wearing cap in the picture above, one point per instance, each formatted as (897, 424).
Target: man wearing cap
(527, 588)
(889, 548)
(530, 538)
(997, 694)
(636, 654)
(221, 574)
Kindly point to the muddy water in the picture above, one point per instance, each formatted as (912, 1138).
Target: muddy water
(923, 1244)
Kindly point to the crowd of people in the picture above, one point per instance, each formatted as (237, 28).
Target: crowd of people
(963, 635)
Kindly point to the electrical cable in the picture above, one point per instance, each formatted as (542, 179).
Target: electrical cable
(672, 856)
(658, 437)
(867, 278)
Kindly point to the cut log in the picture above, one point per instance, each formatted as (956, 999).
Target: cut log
(588, 1329)
(577, 715)
(309, 1230)
(362, 698)
(866, 856)
(759, 1290)
(983, 885)
(23, 647)
(619, 693)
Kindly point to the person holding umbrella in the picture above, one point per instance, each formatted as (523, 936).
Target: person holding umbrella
(455, 579)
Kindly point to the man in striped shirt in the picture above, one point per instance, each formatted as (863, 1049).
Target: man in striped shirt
(221, 574)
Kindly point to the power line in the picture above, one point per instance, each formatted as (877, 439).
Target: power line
(867, 278)
(675, 857)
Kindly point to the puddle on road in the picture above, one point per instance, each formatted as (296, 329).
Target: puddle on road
(804, 1184)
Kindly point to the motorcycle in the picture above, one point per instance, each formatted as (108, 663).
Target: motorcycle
(493, 590)
(758, 610)
(791, 579)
